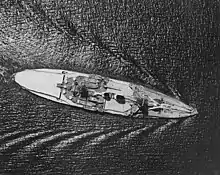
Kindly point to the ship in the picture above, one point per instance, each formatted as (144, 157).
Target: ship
(102, 94)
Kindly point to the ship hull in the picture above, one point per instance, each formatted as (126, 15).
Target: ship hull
(43, 82)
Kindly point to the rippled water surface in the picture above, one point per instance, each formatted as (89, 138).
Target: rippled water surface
(42, 137)
(171, 46)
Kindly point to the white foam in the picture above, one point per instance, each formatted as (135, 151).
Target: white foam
(20, 139)
(67, 142)
(41, 141)
(9, 134)
(163, 128)
(135, 133)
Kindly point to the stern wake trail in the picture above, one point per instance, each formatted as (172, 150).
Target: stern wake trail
(163, 128)
(147, 130)
(158, 134)
(15, 142)
(11, 135)
(38, 143)
(15, 134)
(188, 122)
(134, 134)
(121, 136)
(34, 145)
(104, 138)
(22, 139)
(77, 141)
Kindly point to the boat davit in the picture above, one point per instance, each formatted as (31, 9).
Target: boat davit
(97, 93)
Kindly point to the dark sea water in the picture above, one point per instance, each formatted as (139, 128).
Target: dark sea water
(42, 137)
(177, 42)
